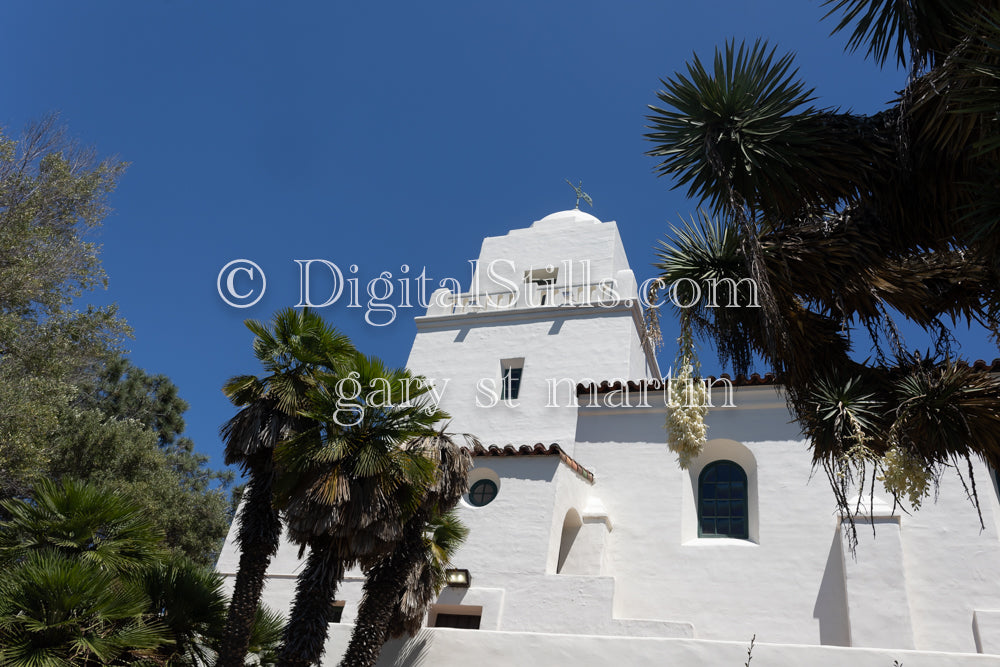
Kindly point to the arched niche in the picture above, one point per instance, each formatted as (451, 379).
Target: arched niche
(570, 531)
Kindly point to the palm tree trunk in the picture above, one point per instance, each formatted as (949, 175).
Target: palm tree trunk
(383, 588)
(259, 537)
(312, 610)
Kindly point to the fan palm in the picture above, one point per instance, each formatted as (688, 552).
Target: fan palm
(56, 610)
(842, 220)
(295, 350)
(442, 537)
(188, 601)
(73, 557)
(401, 584)
(86, 580)
(350, 486)
(84, 522)
(400, 587)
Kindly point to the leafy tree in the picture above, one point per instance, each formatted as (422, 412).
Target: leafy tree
(70, 404)
(52, 194)
(349, 486)
(849, 221)
(194, 512)
(124, 455)
(295, 350)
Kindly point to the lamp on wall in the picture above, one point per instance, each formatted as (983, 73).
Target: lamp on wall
(457, 578)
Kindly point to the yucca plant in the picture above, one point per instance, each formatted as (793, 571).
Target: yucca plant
(847, 222)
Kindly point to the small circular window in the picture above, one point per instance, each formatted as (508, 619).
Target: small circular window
(482, 492)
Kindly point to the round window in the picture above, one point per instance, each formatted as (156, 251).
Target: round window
(482, 492)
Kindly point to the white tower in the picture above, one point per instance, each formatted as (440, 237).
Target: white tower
(549, 306)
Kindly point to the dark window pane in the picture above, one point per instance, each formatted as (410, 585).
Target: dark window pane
(465, 621)
(482, 492)
(722, 500)
(511, 384)
(336, 613)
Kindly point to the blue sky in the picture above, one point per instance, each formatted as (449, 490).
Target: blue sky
(375, 134)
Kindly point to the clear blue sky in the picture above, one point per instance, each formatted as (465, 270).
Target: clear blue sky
(375, 134)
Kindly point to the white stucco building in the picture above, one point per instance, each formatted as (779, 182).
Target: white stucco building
(589, 546)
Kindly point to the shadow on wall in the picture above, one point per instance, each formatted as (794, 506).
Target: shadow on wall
(831, 600)
(406, 653)
(571, 528)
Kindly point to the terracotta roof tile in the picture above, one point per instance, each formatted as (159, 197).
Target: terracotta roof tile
(754, 380)
(538, 449)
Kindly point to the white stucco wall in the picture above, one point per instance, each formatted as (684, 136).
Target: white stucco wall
(462, 350)
(786, 584)
(638, 586)
(444, 647)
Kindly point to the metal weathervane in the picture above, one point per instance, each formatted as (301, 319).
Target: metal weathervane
(580, 194)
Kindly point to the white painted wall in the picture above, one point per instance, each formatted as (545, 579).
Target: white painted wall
(443, 647)
(637, 567)
(560, 345)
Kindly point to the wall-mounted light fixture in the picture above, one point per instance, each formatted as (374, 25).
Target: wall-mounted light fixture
(457, 578)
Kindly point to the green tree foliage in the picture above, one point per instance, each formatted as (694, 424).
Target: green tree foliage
(349, 484)
(56, 611)
(86, 579)
(52, 194)
(70, 404)
(172, 483)
(84, 523)
(847, 222)
(125, 432)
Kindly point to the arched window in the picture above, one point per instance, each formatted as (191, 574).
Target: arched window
(722, 501)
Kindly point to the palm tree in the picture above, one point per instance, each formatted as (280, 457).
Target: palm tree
(442, 537)
(188, 601)
(350, 486)
(86, 580)
(72, 556)
(843, 220)
(295, 351)
(83, 522)
(400, 585)
(60, 610)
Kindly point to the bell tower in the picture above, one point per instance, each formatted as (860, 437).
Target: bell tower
(550, 306)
